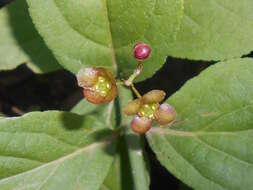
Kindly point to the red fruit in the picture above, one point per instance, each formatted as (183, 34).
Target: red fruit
(141, 51)
(165, 114)
(141, 125)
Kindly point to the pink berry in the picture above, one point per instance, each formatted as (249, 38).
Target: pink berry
(141, 125)
(141, 51)
(165, 114)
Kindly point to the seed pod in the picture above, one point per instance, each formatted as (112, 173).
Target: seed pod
(111, 94)
(165, 114)
(148, 110)
(87, 77)
(141, 51)
(141, 125)
(93, 97)
(154, 96)
(109, 76)
(106, 74)
(132, 107)
(98, 83)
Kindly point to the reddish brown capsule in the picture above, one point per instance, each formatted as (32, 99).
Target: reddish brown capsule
(87, 77)
(99, 85)
(141, 125)
(165, 114)
(141, 51)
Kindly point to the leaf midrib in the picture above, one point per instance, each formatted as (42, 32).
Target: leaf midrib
(172, 132)
(111, 46)
(194, 167)
(195, 135)
(114, 61)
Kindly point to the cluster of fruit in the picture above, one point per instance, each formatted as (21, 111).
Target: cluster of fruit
(99, 86)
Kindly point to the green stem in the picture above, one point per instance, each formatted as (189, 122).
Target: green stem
(130, 80)
(137, 72)
(135, 91)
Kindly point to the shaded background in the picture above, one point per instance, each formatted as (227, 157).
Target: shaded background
(4, 2)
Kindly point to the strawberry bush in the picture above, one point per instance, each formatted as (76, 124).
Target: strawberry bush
(202, 134)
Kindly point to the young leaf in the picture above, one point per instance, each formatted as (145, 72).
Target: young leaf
(54, 150)
(211, 146)
(214, 30)
(103, 33)
(20, 42)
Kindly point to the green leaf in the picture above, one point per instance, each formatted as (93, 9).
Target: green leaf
(105, 113)
(54, 150)
(84, 107)
(211, 145)
(214, 30)
(20, 42)
(103, 33)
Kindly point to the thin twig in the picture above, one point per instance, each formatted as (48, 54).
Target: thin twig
(135, 91)
(137, 72)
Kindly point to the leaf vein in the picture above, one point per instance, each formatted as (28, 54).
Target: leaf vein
(114, 61)
(223, 152)
(61, 159)
(194, 167)
(227, 114)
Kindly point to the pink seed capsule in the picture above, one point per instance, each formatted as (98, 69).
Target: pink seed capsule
(165, 114)
(141, 125)
(141, 51)
(87, 77)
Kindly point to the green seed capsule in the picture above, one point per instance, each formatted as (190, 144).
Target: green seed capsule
(154, 96)
(132, 107)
